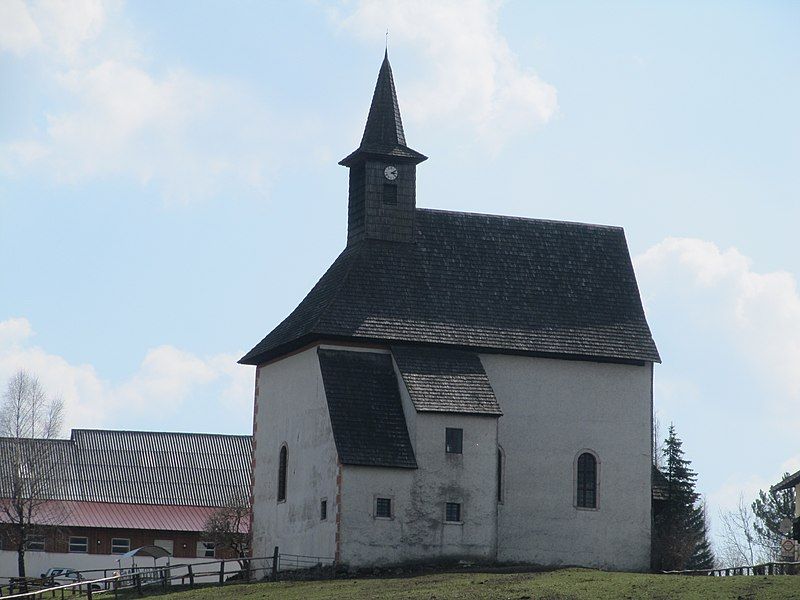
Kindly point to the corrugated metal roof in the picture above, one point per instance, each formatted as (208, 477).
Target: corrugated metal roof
(126, 516)
(139, 467)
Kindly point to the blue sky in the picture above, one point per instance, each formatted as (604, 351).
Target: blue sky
(169, 188)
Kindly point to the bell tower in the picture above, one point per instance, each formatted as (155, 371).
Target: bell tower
(383, 172)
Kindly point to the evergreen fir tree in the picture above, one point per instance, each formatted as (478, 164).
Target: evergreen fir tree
(680, 533)
(770, 508)
(703, 556)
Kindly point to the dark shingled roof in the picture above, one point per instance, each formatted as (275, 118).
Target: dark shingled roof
(369, 426)
(787, 482)
(445, 380)
(383, 134)
(487, 282)
(139, 467)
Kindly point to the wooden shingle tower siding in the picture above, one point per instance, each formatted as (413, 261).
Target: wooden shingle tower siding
(382, 203)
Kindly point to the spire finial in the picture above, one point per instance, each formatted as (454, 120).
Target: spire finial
(386, 52)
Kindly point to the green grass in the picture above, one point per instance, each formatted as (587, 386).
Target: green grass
(568, 584)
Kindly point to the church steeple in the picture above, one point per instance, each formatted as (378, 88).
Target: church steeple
(382, 199)
(383, 134)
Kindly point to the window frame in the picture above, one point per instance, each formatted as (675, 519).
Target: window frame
(577, 481)
(459, 507)
(32, 543)
(206, 546)
(323, 509)
(114, 543)
(283, 473)
(72, 543)
(376, 500)
(447, 444)
(389, 199)
(501, 475)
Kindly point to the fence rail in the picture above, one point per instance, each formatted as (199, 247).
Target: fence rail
(769, 568)
(95, 582)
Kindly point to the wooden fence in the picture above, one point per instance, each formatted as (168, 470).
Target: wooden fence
(97, 582)
(770, 568)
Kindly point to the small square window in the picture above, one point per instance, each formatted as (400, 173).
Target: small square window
(323, 510)
(206, 549)
(78, 544)
(120, 545)
(383, 508)
(452, 512)
(35, 543)
(390, 194)
(453, 440)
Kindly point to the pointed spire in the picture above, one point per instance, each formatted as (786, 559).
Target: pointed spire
(384, 125)
(383, 134)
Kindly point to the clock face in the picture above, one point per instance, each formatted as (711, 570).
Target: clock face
(390, 173)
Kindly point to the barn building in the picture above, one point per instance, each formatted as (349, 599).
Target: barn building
(103, 493)
(456, 386)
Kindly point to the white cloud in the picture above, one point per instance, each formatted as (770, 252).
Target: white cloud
(18, 31)
(473, 77)
(116, 116)
(165, 381)
(761, 311)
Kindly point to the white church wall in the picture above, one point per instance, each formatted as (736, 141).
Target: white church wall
(417, 530)
(291, 409)
(553, 409)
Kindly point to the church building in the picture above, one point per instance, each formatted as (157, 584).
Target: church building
(456, 386)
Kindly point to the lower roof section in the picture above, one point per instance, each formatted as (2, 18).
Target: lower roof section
(112, 515)
(369, 426)
(446, 380)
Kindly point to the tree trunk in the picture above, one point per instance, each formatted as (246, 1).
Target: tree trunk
(21, 558)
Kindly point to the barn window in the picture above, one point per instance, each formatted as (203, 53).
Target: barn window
(453, 440)
(452, 512)
(206, 549)
(78, 544)
(323, 510)
(587, 481)
(34, 543)
(120, 545)
(282, 465)
(383, 508)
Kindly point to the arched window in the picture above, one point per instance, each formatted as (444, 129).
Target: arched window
(282, 464)
(587, 481)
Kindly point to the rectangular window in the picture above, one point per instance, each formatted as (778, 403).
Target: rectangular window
(120, 545)
(323, 510)
(452, 512)
(390, 194)
(206, 549)
(78, 544)
(35, 543)
(453, 440)
(383, 508)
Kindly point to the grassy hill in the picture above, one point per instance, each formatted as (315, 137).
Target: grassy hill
(569, 584)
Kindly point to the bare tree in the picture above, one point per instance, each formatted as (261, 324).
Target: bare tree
(29, 422)
(740, 544)
(227, 527)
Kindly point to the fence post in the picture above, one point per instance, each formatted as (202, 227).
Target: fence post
(137, 580)
(275, 559)
(191, 576)
(222, 572)
(89, 591)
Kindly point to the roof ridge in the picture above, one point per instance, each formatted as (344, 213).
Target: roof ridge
(518, 218)
(142, 431)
